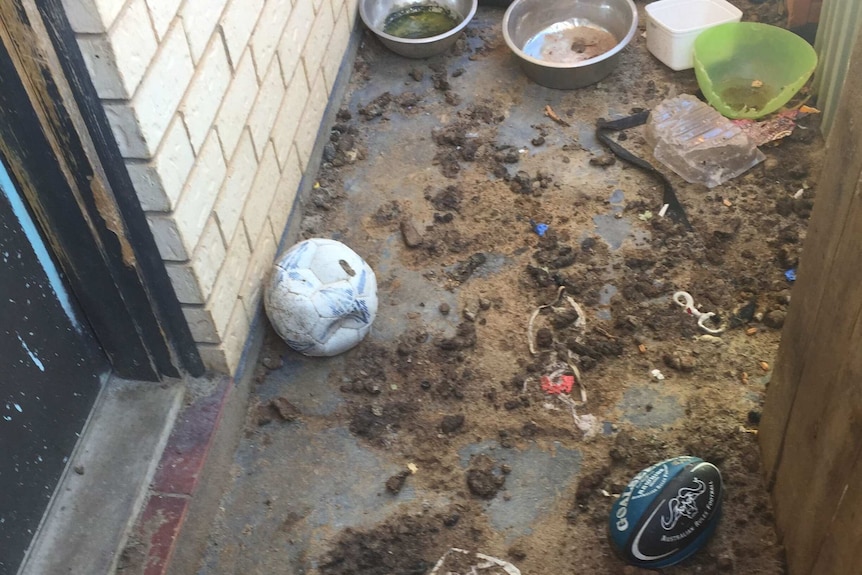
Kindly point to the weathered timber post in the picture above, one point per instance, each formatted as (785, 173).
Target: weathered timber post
(811, 431)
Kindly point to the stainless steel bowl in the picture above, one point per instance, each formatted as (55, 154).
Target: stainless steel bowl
(374, 13)
(532, 24)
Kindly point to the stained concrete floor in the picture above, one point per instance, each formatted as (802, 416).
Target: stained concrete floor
(294, 491)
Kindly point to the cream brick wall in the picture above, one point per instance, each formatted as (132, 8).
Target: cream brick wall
(215, 105)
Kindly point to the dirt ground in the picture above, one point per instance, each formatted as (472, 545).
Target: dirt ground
(437, 172)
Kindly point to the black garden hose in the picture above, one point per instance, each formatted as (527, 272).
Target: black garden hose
(669, 197)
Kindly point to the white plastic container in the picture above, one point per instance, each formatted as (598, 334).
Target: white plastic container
(673, 25)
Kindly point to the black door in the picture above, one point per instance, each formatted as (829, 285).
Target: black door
(52, 369)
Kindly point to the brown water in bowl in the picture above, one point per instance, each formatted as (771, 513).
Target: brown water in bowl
(745, 94)
(569, 42)
(416, 22)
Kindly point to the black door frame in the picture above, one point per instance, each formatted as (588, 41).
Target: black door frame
(61, 152)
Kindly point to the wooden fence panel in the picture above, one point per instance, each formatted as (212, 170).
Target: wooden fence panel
(836, 555)
(811, 433)
(801, 12)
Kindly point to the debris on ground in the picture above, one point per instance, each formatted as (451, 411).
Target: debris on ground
(279, 409)
(579, 321)
(670, 200)
(395, 483)
(588, 423)
(603, 160)
(685, 300)
(778, 127)
(457, 561)
(557, 383)
(447, 378)
(775, 319)
(412, 237)
(539, 228)
(698, 143)
(484, 477)
(549, 112)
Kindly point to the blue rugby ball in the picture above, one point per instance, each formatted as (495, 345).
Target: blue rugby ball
(667, 512)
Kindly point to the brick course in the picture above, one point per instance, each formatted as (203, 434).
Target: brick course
(159, 182)
(318, 40)
(206, 92)
(198, 198)
(162, 12)
(215, 106)
(237, 24)
(269, 30)
(262, 191)
(262, 117)
(294, 38)
(240, 177)
(200, 18)
(237, 104)
(163, 87)
(288, 117)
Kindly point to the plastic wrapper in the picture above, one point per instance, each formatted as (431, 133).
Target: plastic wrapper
(699, 144)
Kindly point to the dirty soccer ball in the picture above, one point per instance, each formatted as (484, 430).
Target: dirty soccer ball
(321, 298)
(667, 512)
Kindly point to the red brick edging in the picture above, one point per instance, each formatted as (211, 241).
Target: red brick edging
(177, 477)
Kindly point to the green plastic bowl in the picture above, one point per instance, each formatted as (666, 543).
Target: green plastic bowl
(749, 70)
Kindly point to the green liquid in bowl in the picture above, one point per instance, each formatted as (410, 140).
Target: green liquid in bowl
(416, 22)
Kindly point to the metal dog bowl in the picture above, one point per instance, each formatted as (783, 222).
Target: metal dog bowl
(567, 44)
(374, 14)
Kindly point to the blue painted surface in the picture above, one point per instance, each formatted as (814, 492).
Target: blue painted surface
(36, 361)
(41, 251)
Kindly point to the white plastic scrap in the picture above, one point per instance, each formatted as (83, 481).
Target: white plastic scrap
(587, 423)
(580, 323)
(484, 563)
(684, 299)
(657, 375)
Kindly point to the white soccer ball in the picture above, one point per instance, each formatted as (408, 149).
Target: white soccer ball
(321, 298)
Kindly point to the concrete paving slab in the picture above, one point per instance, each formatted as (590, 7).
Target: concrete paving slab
(291, 494)
(533, 486)
(648, 407)
(314, 393)
(106, 481)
